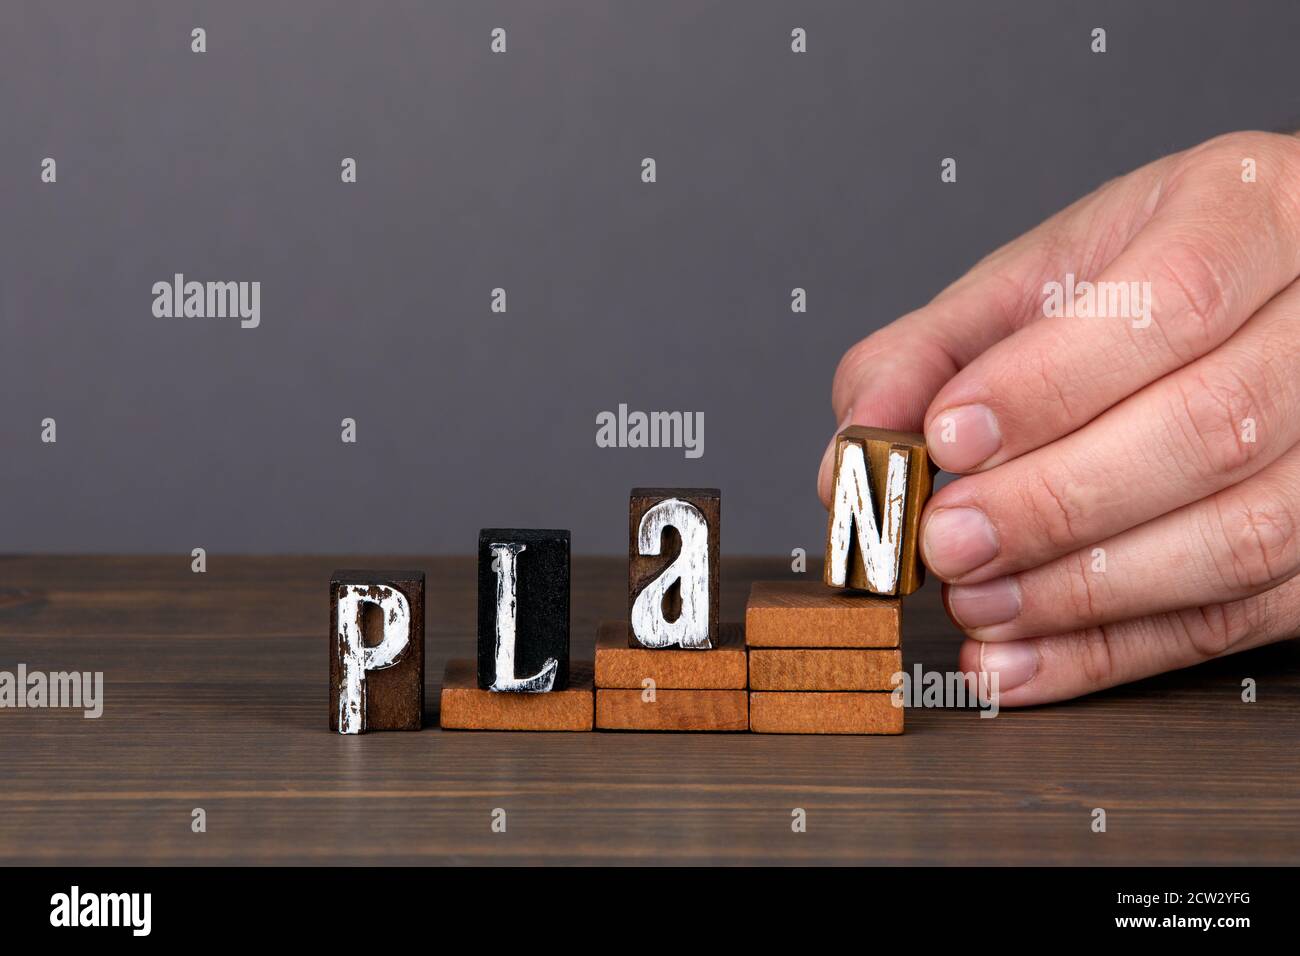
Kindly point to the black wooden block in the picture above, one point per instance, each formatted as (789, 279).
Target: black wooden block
(531, 625)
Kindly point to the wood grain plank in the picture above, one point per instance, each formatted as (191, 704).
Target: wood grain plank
(812, 712)
(809, 614)
(722, 667)
(680, 710)
(823, 669)
(465, 706)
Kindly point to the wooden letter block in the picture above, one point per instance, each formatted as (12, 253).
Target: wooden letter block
(809, 614)
(680, 710)
(523, 610)
(376, 650)
(618, 665)
(823, 713)
(818, 669)
(673, 593)
(464, 706)
(882, 481)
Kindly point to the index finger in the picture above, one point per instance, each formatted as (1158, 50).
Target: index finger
(888, 379)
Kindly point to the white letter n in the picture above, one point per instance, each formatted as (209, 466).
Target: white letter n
(852, 506)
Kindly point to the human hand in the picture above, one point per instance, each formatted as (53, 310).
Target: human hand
(1131, 493)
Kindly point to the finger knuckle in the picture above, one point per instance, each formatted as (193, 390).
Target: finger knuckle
(1214, 630)
(1280, 189)
(1049, 505)
(1229, 147)
(1082, 592)
(1259, 543)
(1278, 154)
(873, 346)
(1096, 657)
(855, 357)
(1207, 421)
(1216, 164)
(1265, 206)
(1191, 294)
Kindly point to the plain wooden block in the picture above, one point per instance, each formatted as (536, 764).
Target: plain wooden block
(876, 445)
(809, 614)
(528, 569)
(722, 667)
(812, 712)
(465, 706)
(390, 697)
(780, 668)
(645, 570)
(680, 710)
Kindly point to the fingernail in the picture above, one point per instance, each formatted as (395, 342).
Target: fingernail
(1015, 663)
(958, 540)
(961, 438)
(979, 605)
(823, 473)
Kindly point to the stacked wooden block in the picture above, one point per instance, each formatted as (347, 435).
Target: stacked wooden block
(822, 656)
(671, 665)
(820, 660)
(811, 658)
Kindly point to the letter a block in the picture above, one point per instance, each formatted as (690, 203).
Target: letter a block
(673, 593)
(376, 650)
(882, 481)
(523, 610)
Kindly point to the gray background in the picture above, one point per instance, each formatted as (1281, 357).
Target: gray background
(523, 171)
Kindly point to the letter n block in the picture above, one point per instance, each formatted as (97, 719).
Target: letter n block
(672, 586)
(376, 650)
(523, 610)
(881, 482)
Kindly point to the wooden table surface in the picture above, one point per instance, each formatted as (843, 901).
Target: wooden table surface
(215, 697)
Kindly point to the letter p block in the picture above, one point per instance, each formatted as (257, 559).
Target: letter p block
(376, 651)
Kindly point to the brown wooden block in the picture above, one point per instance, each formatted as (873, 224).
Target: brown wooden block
(722, 667)
(809, 614)
(899, 509)
(823, 669)
(683, 710)
(673, 536)
(376, 650)
(810, 712)
(465, 707)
